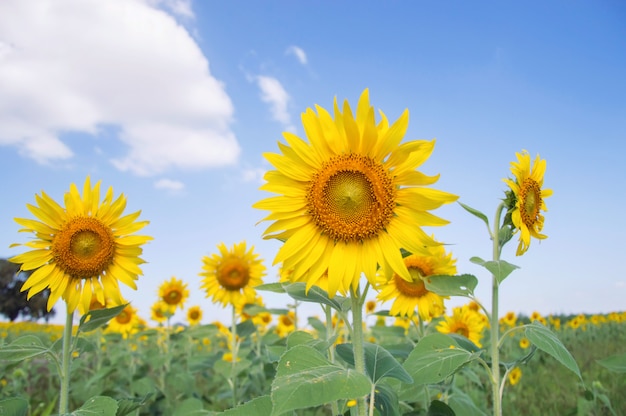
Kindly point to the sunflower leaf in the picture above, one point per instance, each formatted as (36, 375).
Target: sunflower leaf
(616, 363)
(379, 362)
(98, 405)
(476, 213)
(271, 287)
(259, 406)
(499, 268)
(306, 378)
(14, 406)
(99, 317)
(316, 295)
(435, 358)
(459, 285)
(547, 341)
(27, 346)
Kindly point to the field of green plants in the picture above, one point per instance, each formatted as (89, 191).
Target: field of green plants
(189, 370)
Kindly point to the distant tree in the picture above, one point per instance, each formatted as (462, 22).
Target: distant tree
(13, 301)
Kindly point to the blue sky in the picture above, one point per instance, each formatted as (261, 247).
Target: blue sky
(173, 103)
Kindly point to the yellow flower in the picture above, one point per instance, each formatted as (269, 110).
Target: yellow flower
(524, 343)
(194, 315)
(536, 316)
(160, 311)
(515, 375)
(464, 321)
(229, 277)
(408, 295)
(370, 306)
(174, 293)
(350, 197)
(509, 319)
(81, 250)
(286, 324)
(126, 322)
(528, 199)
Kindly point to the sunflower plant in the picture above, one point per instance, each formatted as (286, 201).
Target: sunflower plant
(81, 251)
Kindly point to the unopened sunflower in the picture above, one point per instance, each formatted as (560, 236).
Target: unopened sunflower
(230, 276)
(527, 199)
(351, 197)
(82, 249)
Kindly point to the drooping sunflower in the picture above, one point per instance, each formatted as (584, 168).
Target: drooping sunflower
(464, 321)
(174, 293)
(230, 276)
(528, 199)
(351, 197)
(409, 295)
(194, 315)
(82, 249)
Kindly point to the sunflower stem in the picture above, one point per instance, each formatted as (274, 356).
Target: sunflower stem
(357, 343)
(233, 378)
(65, 363)
(331, 348)
(495, 326)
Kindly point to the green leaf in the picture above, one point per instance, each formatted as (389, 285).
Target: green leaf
(433, 360)
(260, 406)
(548, 342)
(27, 346)
(386, 400)
(616, 363)
(476, 213)
(190, 407)
(98, 318)
(305, 378)
(98, 405)
(379, 363)
(462, 404)
(125, 406)
(14, 406)
(459, 285)
(499, 268)
(316, 295)
(438, 408)
(271, 287)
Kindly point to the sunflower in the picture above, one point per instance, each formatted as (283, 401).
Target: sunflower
(126, 322)
(83, 249)
(160, 311)
(464, 321)
(174, 293)
(515, 376)
(286, 324)
(229, 277)
(527, 199)
(194, 315)
(408, 295)
(351, 197)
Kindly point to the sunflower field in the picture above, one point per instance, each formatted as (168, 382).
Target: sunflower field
(348, 205)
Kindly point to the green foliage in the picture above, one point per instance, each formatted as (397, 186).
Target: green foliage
(14, 406)
(615, 363)
(97, 318)
(547, 341)
(499, 268)
(460, 285)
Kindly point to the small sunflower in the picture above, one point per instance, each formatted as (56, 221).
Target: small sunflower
(515, 376)
(408, 295)
(464, 321)
(286, 324)
(126, 322)
(160, 311)
(83, 249)
(509, 319)
(527, 199)
(230, 276)
(174, 293)
(351, 197)
(194, 315)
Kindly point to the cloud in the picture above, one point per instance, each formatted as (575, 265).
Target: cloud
(298, 53)
(79, 65)
(170, 185)
(273, 93)
(253, 175)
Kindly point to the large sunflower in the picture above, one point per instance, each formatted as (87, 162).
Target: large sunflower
(229, 277)
(83, 249)
(174, 293)
(528, 199)
(351, 197)
(407, 295)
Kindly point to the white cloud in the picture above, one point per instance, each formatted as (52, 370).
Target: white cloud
(253, 175)
(273, 93)
(78, 65)
(298, 53)
(169, 185)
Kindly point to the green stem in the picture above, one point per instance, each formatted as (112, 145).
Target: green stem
(331, 348)
(66, 361)
(495, 324)
(234, 348)
(357, 343)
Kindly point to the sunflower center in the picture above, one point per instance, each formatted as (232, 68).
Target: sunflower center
(84, 247)
(123, 318)
(415, 288)
(530, 201)
(351, 198)
(460, 329)
(233, 274)
(173, 297)
(194, 315)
